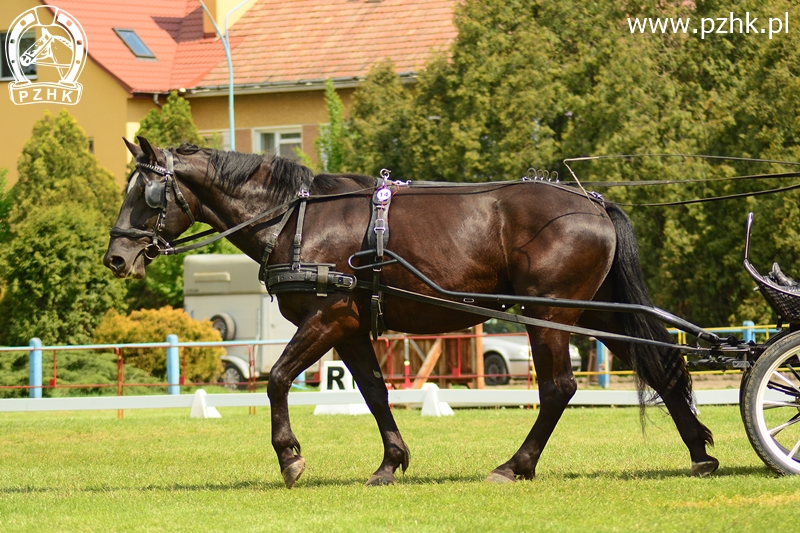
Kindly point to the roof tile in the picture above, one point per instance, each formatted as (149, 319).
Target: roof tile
(172, 29)
(314, 39)
(275, 41)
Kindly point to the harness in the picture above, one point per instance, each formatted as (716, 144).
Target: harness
(319, 277)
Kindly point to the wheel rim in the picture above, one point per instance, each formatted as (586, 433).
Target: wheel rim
(494, 367)
(778, 410)
(231, 378)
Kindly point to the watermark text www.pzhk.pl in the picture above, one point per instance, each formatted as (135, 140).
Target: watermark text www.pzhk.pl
(746, 24)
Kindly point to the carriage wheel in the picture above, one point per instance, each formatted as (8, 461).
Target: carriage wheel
(771, 410)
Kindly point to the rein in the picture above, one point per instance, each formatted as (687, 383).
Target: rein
(699, 180)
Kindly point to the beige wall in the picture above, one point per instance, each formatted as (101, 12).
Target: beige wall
(303, 109)
(102, 112)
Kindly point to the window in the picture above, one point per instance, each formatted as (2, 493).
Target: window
(25, 43)
(134, 43)
(282, 142)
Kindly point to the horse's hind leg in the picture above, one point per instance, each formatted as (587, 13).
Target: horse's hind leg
(359, 356)
(556, 387)
(672, 388)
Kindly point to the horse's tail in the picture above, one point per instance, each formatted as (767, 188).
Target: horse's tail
(661, 368)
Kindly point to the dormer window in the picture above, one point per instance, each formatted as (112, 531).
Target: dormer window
(134, 43)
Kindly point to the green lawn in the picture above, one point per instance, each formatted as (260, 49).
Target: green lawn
(161, 471)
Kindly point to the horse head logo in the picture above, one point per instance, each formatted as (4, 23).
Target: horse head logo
(61, 45)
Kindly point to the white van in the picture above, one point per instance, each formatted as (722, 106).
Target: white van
(225, 289)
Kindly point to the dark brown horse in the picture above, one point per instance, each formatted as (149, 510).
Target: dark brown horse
(517, 238)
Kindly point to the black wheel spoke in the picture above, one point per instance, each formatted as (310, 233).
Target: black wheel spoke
(784, 389)
(774, 431)
(794, 372)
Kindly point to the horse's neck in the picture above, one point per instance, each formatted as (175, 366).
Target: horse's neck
(223, 210)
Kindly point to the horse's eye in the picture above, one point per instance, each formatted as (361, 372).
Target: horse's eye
(132, 181)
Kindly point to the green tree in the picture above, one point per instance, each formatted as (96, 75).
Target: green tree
(173, 125)
(54, 284)
(331, 145)
(6, 203)
(379, 118)
(56, 168)
(57, 287)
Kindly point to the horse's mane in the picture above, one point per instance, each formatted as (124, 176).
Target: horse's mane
(232, 169)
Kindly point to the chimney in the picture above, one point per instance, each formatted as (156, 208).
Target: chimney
(220, 8)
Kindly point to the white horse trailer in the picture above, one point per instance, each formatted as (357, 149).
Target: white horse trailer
(225, 289)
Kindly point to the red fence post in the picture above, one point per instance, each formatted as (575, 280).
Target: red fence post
(53, 381)
(120, 379)
(251, 381)
(182, 379)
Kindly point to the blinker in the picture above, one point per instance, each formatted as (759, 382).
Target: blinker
(155, 194)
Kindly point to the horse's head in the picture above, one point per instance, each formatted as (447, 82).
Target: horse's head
(153, 213)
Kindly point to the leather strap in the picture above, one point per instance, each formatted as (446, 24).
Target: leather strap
(272, 239)
(316, 277)
(377, 238)
(298, 236)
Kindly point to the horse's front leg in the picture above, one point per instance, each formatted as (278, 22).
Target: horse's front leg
(359, 356)
(314, 337)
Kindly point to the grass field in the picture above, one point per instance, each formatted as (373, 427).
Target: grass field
(162, 471)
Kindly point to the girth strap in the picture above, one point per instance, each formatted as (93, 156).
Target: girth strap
(309, 277)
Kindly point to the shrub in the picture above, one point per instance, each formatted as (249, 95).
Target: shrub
(57, 288)
(153, 325)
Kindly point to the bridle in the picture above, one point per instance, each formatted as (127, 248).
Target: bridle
(155, 195)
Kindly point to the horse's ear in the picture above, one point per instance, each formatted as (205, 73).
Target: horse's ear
(135, 150)
(147, 149)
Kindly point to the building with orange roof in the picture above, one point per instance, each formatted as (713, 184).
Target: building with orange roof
(282, 53)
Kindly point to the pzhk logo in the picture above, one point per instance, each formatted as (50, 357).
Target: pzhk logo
(61, 46)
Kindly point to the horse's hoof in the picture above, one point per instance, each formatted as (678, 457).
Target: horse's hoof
(293, 472)
(498, 478)
(380, 481)
(704, 468)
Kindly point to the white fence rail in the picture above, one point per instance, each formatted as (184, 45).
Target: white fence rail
(454, 397)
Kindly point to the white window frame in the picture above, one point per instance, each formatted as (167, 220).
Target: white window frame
(279, 133)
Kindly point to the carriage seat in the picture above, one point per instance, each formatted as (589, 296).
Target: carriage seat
(779, 278)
